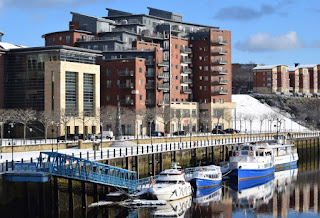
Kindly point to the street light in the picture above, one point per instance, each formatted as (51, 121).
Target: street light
(1, 124)
(10, 132)
(57, 124)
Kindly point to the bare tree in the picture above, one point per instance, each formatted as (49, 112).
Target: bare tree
(262, 118)
(84, 118)
(228, 117)
(240, 118)
(218, 114)
(47, 119)
(127, 116)
(178, 116)
(25, 116)
(204, 116)
(65, 118)
(150, 117)
(166, 116)
(5, 116)
(250, 118)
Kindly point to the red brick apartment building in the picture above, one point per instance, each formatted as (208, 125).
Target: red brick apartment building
(155, 60)
(300, 80)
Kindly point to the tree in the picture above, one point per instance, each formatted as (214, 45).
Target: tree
(218, 113)
(240, 118)
(166, 116)
(24, 116)
(150, 117)
(251, 118)
(47, 119)
(84, 119)
(64, 119)
(5, 116)
(262, 118)
(178, 116)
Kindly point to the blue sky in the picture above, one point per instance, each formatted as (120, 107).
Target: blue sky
(263, 32)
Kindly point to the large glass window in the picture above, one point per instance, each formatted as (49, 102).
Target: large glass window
(88, 88)
(71, 92)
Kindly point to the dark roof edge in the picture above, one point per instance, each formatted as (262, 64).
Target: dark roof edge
(181, 15)
(63, 31)
(55, 47)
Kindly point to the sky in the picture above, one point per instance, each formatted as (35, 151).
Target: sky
(263, 32)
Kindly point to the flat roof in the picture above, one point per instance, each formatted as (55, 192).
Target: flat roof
(265, 67)
(64, 31)
(97, 18)
(156, 9)
(160, 18)
(56, 47)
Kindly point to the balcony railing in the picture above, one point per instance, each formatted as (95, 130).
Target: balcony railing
(126, 86)
(164, 103)
(187, 81)
(150, 74)
(185, 60)
(219, 62)
(187, 71)
(219, 72)
(152, 35)
(163, 75)
(126, 73)
(220, 92)
(126, 101)
(186, 91)
(164, 87)
(219, 42)
(220, 82)
(185, 50)
(149, 86)
(163, 64)
(219, 52)
(176, 28)
(92, 39)
(150, 102)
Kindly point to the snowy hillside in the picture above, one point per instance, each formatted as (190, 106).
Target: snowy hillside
(248, 106)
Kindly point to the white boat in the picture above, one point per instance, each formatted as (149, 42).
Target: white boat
(170, 184)
(204, 176)
(250, 161)
(176, 208)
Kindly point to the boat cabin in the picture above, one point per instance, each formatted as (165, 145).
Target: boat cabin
(251, 150)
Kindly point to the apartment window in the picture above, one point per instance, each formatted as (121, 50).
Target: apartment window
(200, 77)
(108, 98)
(67, 39)
(177, 87)
(108, 72)
(200, 87)
(214, 100)
(140, 70)
(176, 67)
(176, 46)
(71, 92)
(140, 82)
(140, 97)
(221, 101)
(205, 88)
(206, 78)
(108, 84)
(60, 38)
(206, 68)
(200, 67)
(200, 58)
(88, 90)
(95, 47)
(200, 48)
(204, 48)
(205, 58)
(177, 77)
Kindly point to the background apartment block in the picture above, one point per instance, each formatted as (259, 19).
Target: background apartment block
(298, 80)
(154, 60)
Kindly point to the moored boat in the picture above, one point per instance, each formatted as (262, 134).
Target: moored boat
(250, 161)
(170, 184)
(204, 176)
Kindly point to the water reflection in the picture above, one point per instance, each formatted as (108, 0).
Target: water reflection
(175, 208)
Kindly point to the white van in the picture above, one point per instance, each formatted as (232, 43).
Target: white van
(106, 135)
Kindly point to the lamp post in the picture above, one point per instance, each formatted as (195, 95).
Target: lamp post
(52, 130)
(1, 124)
(10, 132)
(30, 129)
(57, 124)
(101, 130)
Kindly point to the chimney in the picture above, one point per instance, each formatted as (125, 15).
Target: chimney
(1, 34)
(296, 64)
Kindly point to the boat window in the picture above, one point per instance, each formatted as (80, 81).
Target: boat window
(257, 153)
(181, 182)
(245, 148)
(166, 182)
(261, 154)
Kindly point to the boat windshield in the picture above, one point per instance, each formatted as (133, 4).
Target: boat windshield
(166, 182)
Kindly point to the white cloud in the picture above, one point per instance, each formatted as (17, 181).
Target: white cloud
(266, 42)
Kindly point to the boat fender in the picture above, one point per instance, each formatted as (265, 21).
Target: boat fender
(251, 153)
(237, 153)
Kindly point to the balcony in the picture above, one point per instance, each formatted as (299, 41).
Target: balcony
(220, 82)
(219, 42)
(150, 86)
(126, 101)
(163, 64)
(219, 72)
(186, 81)
(165, 69)
(187, 71)
(176, 28)
(219, 62)
(150, 74)
(185, 61)
(126, 73)
(164, 87)
(219, 52)
(149, 62)
(164, 103)
(185, 50)
(163, 76)
(150, 102)
(126, 86)
(94, 39)
(186, 91)
(220, 92)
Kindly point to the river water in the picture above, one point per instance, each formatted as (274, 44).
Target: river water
(288, 193)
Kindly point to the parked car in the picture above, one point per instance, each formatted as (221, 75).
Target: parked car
(181, 132)
(218, 131)
(231, 131)
(163, 134)
(106, 134)
(155, 133)
(72, 137)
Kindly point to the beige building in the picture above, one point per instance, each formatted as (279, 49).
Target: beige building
(213, 115)
(73, 90)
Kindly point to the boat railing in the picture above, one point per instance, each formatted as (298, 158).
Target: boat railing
(147, 180)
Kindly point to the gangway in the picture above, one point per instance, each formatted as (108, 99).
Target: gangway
(67, 166)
